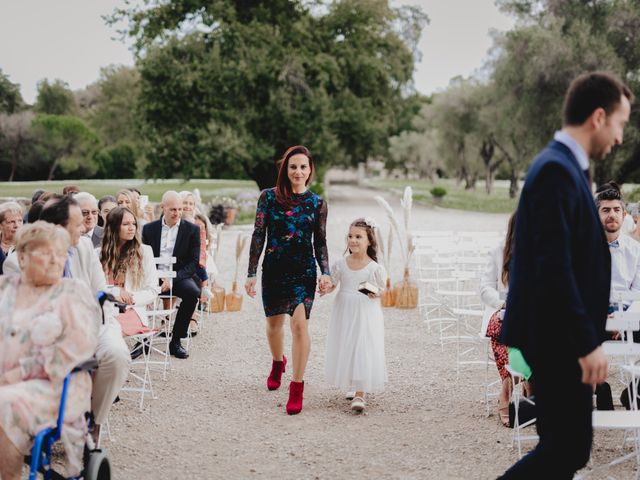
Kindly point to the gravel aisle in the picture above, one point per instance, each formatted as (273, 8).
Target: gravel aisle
(214, 417)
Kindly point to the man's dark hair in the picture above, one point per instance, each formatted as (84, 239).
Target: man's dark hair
(56, 210)
(609, 191)
(34, 211)
(591, 91)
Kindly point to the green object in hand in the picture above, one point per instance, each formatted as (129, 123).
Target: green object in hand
(518, 363)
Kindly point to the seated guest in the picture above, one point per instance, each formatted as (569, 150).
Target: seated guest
(493, 291)
(10, 221)
(34, 211)
(171, 237)
(112, 353)
(105, 205)
(34, 198)
(128, 264)
(90, 212)
(625, 252)
(189, 213)
(634, 213)
(44, 334)
(127, 199)
(70, 189)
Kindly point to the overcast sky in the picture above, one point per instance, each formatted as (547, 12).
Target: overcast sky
(68, 39)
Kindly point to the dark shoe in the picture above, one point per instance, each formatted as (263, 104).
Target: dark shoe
(294, 405)
(275, 377)
(137, 350)
(177, 350)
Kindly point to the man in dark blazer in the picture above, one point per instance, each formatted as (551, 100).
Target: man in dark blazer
(560, 275)
(170, 236)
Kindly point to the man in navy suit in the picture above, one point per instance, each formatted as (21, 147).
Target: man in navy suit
(560, 276)
(172, 237)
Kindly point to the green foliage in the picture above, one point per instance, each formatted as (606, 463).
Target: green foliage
(228, 86)
(438, 192)
(118, 161)
(10, 98)
(54, 98)
(66, 142)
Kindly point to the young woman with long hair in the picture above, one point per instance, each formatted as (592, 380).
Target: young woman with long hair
(293, 220)
(127, 263)
(494, 286)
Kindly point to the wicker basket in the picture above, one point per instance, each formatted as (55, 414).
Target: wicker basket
(406, 292)
(216, 304)
(388, 298)
(234, 299)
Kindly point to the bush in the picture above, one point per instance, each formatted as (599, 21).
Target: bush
(438, 192)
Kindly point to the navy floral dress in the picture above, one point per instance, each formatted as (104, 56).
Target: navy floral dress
(289, 265)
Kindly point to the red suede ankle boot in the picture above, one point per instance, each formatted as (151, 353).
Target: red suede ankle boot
(275, 377)
(294, 405)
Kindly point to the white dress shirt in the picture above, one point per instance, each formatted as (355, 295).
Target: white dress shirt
(168, 241)
(574, 146)
(625, 266)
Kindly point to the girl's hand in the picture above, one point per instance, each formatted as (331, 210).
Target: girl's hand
(126, 297)
(372, 296)
(250, 286)
(324, 284)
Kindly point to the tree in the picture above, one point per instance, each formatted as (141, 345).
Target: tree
(117, 161)
(66, 142)
(558, 39)
(232, 84)
(54, 98)
(15, 135)
(110, 105)
(10, 98)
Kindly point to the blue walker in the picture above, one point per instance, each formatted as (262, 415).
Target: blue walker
(96, 463)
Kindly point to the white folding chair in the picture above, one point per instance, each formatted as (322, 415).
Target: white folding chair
(518, 395)
(628, 354)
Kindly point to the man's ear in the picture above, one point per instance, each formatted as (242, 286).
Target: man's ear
(598, 118)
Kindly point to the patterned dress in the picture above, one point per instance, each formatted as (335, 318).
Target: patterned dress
(39, 346)
(289, 265)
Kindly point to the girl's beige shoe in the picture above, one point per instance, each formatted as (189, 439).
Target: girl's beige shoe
(358, 404)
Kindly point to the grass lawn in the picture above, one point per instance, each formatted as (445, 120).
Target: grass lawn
(457, 197)
(155, 189)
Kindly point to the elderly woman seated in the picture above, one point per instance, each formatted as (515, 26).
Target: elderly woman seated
(45, 331)
(10, 221)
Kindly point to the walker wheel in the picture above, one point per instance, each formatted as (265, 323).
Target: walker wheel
(98, 466)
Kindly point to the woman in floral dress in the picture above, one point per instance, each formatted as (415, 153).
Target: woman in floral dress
(293, 219)
(48, 325)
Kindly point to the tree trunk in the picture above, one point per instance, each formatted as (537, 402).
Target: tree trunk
(52, 169)
(488, 181)
(513, 184)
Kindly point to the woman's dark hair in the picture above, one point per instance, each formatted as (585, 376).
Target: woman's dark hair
(508, 249)
(36, 195)
(372, 249)
(591, 91)
(284, 191)
(56, 211)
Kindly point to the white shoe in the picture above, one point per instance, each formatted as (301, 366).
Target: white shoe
(350, 395)
(358, 404)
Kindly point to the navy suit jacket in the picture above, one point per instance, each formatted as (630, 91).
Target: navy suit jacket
(186, 249)
(560, 271)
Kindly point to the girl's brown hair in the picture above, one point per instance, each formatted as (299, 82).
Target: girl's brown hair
(372, 249)
(284, 191)
(117, 261)
(508, 249)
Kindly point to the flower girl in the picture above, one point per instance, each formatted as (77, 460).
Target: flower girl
(355, 341)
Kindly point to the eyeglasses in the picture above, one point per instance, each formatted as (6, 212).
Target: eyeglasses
(86, 213)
